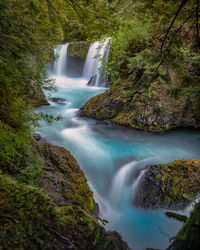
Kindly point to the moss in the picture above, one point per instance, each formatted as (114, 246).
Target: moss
(176, 216)
(86, 227)
(29, 220)
(141, 107)
(180, 179)
(25, 212)
(78, 49)
(188, 236)
(62, 170)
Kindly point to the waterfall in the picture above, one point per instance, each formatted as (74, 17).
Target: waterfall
(60, 64)
(97, 52)
(120, 189)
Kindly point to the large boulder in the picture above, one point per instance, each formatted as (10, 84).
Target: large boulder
(171, 186)
(154, 108)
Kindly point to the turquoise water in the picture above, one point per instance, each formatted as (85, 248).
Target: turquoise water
(113, 160)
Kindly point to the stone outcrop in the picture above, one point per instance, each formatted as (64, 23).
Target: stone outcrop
(62, 178)
(154, 108)
(171, 186)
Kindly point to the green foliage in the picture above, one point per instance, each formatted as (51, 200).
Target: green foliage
(16, 156)
(188, 236)
(12, 145)
(79, 49)
(176, 216)
(25, 213)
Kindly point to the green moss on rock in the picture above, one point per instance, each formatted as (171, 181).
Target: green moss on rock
(145, 107)
(25, 214)
(62, 178)
(188, 237)
(58, 214)
(172, 185)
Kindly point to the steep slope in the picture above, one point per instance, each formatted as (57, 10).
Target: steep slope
(55, 216)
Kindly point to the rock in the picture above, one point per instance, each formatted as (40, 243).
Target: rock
(56, 213)
(129, 104)
(62, 178)
(66, 185)
(171, 186)
(37, 136)
(72, 247)
(35, 95)
(57, 100)
(92, 80)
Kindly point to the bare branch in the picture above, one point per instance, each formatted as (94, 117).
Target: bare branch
(172, 23)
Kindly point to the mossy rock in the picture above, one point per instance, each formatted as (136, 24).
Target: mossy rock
(62, 178)
(145, 107)
(172, 185)
(188, 237)
(26, 213)
(29, 220)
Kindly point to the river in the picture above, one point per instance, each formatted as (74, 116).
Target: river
(114, 159)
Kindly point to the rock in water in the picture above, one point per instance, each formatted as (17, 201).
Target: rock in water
(92, 80)
(57, 100)
(171, 186)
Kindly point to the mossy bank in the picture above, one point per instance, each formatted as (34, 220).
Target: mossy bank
(55, 212)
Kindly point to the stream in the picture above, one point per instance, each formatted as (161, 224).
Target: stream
(114, 159)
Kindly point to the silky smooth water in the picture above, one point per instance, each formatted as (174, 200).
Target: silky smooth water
(113, 160)
(94, 61)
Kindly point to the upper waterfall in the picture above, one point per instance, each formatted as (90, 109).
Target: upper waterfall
(60, 64)
(93, 64)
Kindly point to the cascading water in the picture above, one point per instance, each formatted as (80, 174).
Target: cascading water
(60, 64)
(98, 52)
(113, 159)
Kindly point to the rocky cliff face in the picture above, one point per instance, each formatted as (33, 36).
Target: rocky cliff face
(153, 108)
(55, 213)
(171, 186)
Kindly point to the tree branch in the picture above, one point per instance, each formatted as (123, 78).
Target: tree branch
(197, 23)
(174, 19)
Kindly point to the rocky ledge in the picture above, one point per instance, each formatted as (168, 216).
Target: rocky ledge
(154, 108)
(171, 186)
(55, 212)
